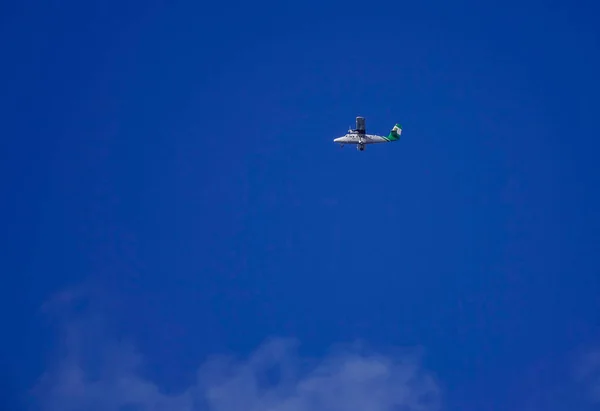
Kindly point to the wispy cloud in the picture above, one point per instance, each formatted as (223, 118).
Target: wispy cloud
(97, 373)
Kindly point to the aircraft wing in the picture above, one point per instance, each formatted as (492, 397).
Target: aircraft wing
(360, 125)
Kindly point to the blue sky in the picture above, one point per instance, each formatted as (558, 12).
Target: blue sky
(172, 193)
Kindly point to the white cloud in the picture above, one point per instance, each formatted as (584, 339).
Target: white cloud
(95, 373)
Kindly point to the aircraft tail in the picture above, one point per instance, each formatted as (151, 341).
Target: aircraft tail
(395, 133)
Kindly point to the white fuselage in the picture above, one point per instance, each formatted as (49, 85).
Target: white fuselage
(357, 138)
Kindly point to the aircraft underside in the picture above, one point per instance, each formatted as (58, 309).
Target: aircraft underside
(360, 141)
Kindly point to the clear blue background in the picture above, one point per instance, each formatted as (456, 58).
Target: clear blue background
(179, 158)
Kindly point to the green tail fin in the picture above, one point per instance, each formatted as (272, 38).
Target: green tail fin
(395, 133)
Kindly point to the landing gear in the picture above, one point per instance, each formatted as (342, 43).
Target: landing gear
(360, 147)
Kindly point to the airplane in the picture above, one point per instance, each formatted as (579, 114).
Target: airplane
(360, 137)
